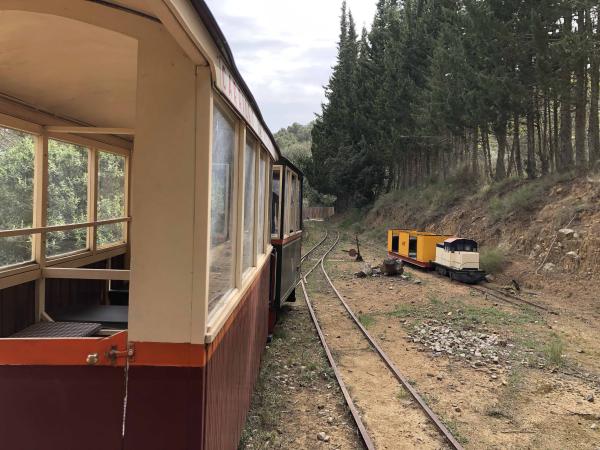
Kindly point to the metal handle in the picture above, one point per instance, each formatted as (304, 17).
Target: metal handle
(92, 359)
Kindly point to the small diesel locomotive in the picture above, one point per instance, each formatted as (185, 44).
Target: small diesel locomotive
(457, 258)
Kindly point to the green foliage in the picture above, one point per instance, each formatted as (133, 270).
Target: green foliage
(67, 195)
(438, 86)
(295, 142)
(367, 320)
(492, 260)
(554, 351)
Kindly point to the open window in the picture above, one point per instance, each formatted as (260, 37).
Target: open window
(276, 201)
(17, 160)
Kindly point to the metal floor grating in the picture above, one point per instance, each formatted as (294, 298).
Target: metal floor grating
(58, 330)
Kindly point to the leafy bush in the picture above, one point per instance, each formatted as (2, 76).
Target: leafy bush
(492, 260)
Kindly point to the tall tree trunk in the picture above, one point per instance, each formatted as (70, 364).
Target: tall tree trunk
(541, 147)
(475, 154)
(486, 169)
(580, 97)
(500, 132)
(594, 129)
(487, 152)
(555, 135)
(530, 168)
(545, 139)
(566, 125)
(517, 144)
(511, 159)
(551, 148)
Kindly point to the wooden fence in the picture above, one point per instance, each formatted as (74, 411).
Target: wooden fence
(318, 212)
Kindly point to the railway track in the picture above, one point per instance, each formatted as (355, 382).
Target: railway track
(498, 294)
(365, 370)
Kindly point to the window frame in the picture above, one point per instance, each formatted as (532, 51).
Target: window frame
(237, 211)
(94, 209)
(249, 139)
(278, 168)
(40, 228)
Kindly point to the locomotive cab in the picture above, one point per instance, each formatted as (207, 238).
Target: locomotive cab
(459, 259)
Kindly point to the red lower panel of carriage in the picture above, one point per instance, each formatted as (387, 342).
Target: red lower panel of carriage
(175, 396)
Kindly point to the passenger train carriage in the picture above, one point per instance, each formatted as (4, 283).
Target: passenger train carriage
(286, 229)
(135, 253)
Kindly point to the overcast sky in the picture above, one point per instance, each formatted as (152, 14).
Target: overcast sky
(285, 50)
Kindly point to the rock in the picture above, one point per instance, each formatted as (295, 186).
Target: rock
(566, 232)
(440, 377)
(360, 274)
(490, 278)
(580, 350)
(590, 398)
(322, 436)
(573, 255)
(417, 282)
(493, 376)
(330, 420)
(549, 267)
(594, 426)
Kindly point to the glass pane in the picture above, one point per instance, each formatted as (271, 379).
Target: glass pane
(275, 200)
(221, 213)
(260, 236)
(17, 150)
(67, 195)
(291, 192)
(110, 234)
(249, 183)
(299, 203)
(111, 186)
(15, 250)
(61, 242)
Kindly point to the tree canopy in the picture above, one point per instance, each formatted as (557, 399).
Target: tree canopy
(493, 88)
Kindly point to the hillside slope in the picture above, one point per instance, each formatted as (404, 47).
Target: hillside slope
(520, 219)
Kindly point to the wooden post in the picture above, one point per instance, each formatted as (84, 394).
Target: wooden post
(40, 217)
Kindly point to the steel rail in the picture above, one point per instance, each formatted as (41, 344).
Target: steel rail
(505, 297)
(315, 246)
(364, 434)
(399, 376)
(318, 261)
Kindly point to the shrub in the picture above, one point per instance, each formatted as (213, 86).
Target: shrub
(492, 260)
(554, 351)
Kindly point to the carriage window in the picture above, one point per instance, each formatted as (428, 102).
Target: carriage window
(291, 201)
(275, 202)
(67, 196)
(221, 223)
(249, 186)
(260, 233)
(16, 194)
(111, 198)
(299, 197)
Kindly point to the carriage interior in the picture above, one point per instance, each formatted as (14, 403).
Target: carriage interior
(96, 237)
(67, 115)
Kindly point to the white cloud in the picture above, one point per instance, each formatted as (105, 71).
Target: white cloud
(285, 50)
